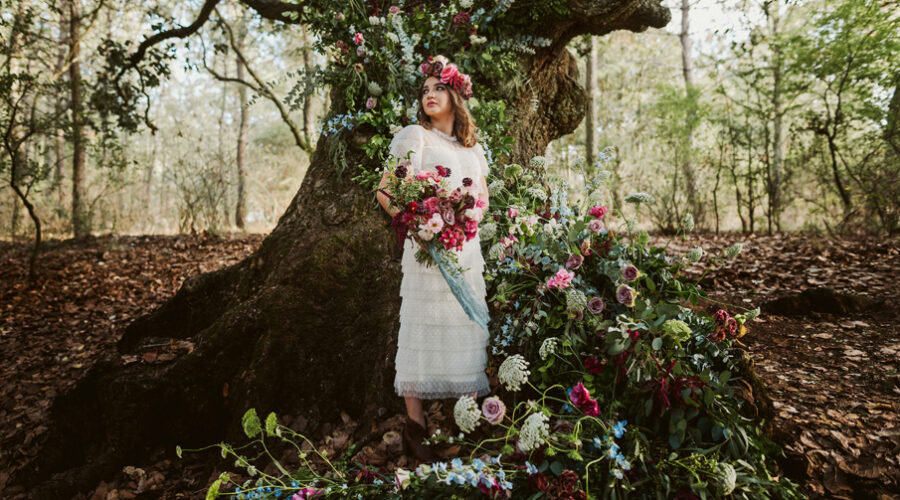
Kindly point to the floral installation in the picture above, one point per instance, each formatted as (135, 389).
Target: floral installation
(614, 380)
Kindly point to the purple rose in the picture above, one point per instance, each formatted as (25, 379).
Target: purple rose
(596, 226)
(630, 272)
(370, 103)
(574, 261)
(626, 295)
(596, 305)
(493, 410)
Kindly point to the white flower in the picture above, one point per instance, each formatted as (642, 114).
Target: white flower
(733, 251)
(425, 234)
(603, 175)
(514, 372)
(537, 193)
(496, 251)
(465, 4)
(411, 113)
(375, 89)
(476, 214)
(687, 222)
(575, 301)
(374, 21)
(695, 254)
(393, 37)
(488, 231)
(751, 315)
(548, 347)
(435, 223)
(639, 197)
(476, 40)
(466, 414)
(552, 228)
(538, 162)
(495, 187)
(395, 129)
(726, 478)
(534, 431)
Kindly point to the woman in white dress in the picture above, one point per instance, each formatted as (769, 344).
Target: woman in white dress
(441, 353)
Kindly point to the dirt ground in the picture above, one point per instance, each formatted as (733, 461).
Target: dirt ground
(832, 364)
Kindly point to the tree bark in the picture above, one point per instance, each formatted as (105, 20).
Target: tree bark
(80, 223)
(240, 206)
(279, 330)
(687, 67)
(776, 189)
(589, 125)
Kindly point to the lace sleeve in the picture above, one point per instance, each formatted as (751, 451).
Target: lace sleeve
(410, 139)
(482, 160)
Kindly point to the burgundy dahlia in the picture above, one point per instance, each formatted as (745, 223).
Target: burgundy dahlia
(467, 181)
(401, 171)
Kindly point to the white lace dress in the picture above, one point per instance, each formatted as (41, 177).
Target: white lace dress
(440, 352)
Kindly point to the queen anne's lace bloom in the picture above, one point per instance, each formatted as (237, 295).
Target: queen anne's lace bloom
(639, 197)
(695, 254)
(496, 251)
(548, 347)
(733, 251)
(514, 372)
(537, 193)
(538, 162)
(495, 187)
(488, 230)
(466, 414)
(687, 222)
(534, 431)
(575, 301)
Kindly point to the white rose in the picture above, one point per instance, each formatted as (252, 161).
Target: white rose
(476, 214)
(374, 20)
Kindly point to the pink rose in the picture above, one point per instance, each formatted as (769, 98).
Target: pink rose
(432, 204)
(358, 38)
(590, 408)
(595, 305)
(579, 395)
(370, 103)
(597, 211)
(449, 73)
(456, 196)
(596, 226)
(493, 410)
(512, 212)
(480, 203)
(422, 175)
(394, 9)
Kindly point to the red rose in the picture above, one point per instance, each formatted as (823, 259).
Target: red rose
(593, 365)
(590, 408)
(539, 481)
(579, 394)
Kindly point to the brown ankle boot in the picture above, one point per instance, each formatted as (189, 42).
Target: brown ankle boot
(413, 435)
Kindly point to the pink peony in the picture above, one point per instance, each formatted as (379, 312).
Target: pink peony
(512, 212)
(597, 211)
(370, 103)
(358, 38)
(596, 305)
(561, 280)
(574, 261)
(449, 74)
(626, 295)
(590, 408)
(579, 394)
(493, 410)
(596, 226)
(630, 272)
(394, 9)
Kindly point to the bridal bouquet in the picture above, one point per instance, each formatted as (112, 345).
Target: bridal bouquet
(432, 214)
(439, 220)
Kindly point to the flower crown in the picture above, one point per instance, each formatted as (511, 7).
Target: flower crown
(440, 67)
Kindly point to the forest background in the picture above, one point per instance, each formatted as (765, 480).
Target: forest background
(753, 116)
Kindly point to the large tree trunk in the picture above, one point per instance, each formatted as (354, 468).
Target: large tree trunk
(307, 324)
(687, 67)
(589, 125)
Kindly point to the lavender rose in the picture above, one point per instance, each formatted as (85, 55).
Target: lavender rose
(574, 261)
(596, 226)
(493, 410)
(626, 295)
(630, 273)
(596, 305)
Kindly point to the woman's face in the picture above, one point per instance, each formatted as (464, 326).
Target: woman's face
(435, 98)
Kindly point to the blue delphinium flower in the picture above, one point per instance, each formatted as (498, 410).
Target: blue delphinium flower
(456, 464)
(619, 428)
(531, 469)
(617, 473)
(477, 464)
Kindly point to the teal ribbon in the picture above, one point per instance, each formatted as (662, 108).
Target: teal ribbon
(475, 307)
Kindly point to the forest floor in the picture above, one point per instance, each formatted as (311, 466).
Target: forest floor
(833, 368)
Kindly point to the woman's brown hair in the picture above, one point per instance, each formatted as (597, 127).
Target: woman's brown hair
(463, 124)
